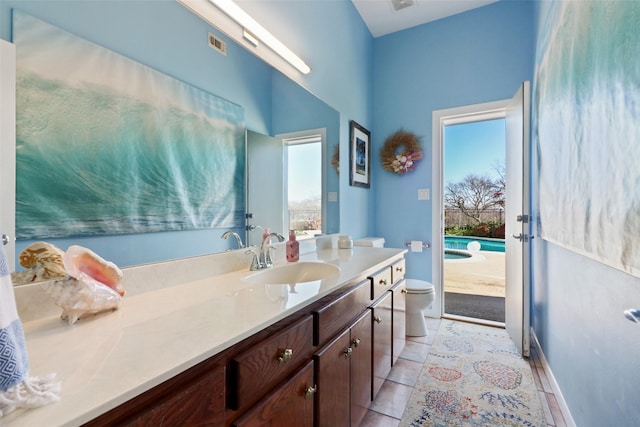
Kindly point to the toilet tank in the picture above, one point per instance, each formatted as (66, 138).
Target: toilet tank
(372, 242)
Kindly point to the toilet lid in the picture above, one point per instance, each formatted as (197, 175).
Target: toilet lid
(418, 286)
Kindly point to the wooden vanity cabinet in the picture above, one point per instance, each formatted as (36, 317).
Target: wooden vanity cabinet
(381, 282)
(194, 398)
(257, 370)
(382, 312)
(398, 269)
(399, 337)
(343, 376)
(290, 404)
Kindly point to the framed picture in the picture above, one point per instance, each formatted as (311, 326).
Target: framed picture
(359, 156)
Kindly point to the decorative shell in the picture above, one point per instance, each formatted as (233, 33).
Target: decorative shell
(42, 260)
(84, 264)
(78, 298)
(93, 285)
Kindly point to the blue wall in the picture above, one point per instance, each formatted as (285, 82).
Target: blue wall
(578, 306)
(167, 37)
(475, 57)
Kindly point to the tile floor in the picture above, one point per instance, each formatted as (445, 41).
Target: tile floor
(387, 409)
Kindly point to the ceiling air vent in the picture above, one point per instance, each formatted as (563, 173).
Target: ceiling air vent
(218, 44)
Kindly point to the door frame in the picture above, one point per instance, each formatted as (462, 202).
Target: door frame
(440, 119)
(8, 148)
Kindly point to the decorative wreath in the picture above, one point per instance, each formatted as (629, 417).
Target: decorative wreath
(400, 152)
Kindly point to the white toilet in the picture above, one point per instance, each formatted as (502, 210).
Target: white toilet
(420, 295)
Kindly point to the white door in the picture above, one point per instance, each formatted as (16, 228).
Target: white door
(265, 185)
(517, 220)
(8, 149)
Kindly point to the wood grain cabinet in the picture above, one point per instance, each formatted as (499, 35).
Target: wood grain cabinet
(290, 404)
(381, 282)
(382, 312)
(399, 338)
(343, 376)
(256, 371)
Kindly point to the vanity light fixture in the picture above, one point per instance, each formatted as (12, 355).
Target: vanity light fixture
(257, 31)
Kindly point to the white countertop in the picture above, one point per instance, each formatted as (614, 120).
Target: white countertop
(107, 359)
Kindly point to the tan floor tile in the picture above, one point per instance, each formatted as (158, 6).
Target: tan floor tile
(415, 351)
(376, 419)
(405, 372)
(392, 399)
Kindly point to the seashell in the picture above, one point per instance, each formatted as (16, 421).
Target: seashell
(79, 297)
(43, 261)
(86, 266)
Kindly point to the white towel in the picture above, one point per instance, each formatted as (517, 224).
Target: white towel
(17, 389)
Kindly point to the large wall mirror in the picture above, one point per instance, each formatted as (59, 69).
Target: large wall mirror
(292, 110)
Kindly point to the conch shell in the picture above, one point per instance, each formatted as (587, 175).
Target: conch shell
(84, 264)
(42, 260)
(93, 285)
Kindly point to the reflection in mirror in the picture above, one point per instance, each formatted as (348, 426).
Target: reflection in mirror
(285, 184)
(290, 108)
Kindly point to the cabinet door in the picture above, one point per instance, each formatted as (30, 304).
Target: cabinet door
(291, 404)
(361, 380)
(332, 377)
(382, 334)
(399, 319)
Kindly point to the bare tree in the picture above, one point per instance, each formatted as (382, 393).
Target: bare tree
(473, 195)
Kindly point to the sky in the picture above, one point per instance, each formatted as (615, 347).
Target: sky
(473, 148)
(305, 171)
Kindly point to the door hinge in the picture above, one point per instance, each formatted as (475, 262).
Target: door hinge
(523, 218)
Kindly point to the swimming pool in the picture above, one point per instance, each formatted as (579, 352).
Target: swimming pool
(456, 254)
(461, 242)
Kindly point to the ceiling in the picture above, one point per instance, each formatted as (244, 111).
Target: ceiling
(382, 18)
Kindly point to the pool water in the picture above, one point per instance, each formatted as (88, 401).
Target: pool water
(461, 242)
(454, 254)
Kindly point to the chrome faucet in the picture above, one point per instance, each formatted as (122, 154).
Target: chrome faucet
(234, 234)
(265, 260)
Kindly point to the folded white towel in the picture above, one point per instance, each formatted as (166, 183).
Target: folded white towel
(17, 389)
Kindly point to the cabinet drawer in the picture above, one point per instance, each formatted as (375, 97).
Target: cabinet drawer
(200, 403)
(380, 282)
(292, 404)
(258, 370)
(398, 269)
(333, 317)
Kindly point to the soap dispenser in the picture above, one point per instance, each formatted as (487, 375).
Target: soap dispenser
(293, 247)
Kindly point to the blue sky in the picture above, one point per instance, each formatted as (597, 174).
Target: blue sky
(305, 161)
(473, 148)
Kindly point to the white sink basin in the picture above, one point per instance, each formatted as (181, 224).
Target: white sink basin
(298, 272)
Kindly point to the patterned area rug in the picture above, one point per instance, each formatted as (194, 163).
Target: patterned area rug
(474, 376)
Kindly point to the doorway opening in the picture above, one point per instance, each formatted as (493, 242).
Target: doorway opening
(304, 184)
(457, 122)
(474, 228)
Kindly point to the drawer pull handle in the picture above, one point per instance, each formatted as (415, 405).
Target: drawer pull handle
(347, 352)
(310, 391)
(356, 342)
(383, 282)
(285, 355)
(399, 269)
(404, 291)
(378, 319)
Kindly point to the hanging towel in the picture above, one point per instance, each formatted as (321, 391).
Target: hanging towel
(17, 389)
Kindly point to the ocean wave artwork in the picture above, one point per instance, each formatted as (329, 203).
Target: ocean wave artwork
(106, 145)
(587, 101)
